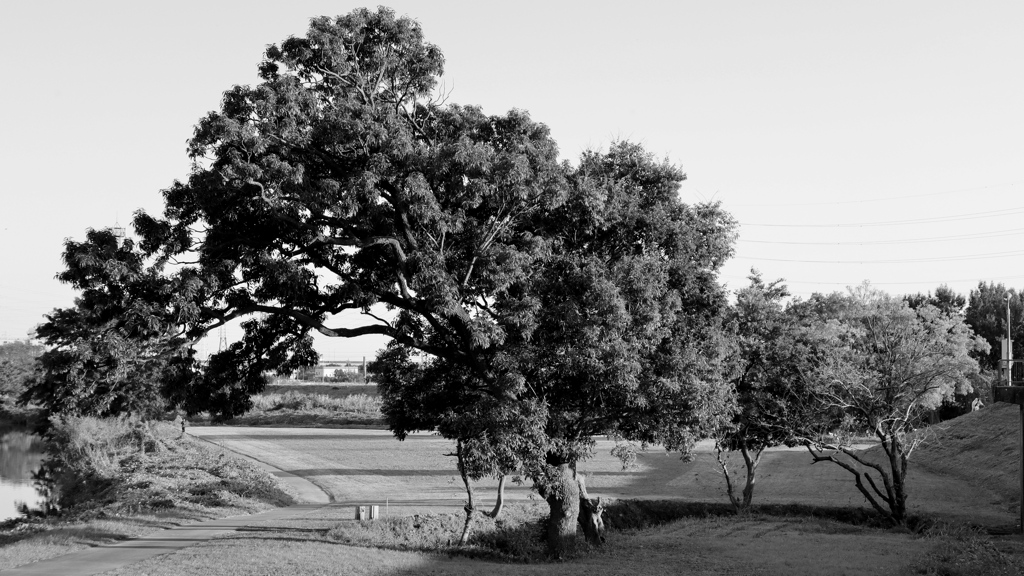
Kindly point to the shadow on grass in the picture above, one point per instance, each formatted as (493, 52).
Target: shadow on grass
(263, 435)
(518, 535)
(304, 472)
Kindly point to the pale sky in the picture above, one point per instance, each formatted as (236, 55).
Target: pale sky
(878, 141)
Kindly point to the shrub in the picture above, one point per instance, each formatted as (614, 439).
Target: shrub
(517, 535)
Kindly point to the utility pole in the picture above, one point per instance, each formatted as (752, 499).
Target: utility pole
(1009, 347)
(1009, 382)
(1014, 395)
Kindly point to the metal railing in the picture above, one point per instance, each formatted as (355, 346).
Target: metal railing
(1016, 371)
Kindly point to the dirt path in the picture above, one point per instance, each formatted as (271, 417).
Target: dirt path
(416, 476)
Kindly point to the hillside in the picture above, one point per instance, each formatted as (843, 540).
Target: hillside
(981, 448)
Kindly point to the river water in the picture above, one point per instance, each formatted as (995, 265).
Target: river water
(21, 454)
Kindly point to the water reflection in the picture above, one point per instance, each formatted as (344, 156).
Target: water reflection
(21, 454)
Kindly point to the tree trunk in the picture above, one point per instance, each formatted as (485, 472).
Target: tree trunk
(469, 508)
(562, 494)
(751, 464)
(898, 492)
(500, 503)
(590, 518)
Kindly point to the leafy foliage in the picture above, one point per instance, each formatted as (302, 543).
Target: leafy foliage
(530, 304)
(778, 349)
(986, 314)
(116, 349)
(888, 366)
(17, 365)
(945, 299)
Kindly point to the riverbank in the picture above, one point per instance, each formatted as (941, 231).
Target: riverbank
(131, 478)
(18, 419)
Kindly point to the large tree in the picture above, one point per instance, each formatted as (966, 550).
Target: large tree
(337, 184)
(583, 299)
(887, 367)
(623, 334)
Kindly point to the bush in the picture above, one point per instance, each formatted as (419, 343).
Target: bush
(517, 535)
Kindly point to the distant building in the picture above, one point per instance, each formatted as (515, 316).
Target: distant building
(330, 370)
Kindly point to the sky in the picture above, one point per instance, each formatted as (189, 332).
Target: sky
(859, 141)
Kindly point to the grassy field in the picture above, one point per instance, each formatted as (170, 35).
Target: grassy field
(760, 544)
(808, 519)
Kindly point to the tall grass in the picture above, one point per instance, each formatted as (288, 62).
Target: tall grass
(119, 465)
(292, 400)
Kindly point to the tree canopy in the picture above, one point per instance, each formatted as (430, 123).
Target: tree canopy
(986, 313)
(623, 334)
(530, 304)
(118, 349)
(778, 347)
(887, 366)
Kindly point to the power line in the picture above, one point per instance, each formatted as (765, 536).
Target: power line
(933, 282)
(971, 216)
(893, 261)
(888, 199)
(994, 234)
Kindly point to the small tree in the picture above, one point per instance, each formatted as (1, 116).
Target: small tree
(772, 392)
(495, 436)
(887, 367)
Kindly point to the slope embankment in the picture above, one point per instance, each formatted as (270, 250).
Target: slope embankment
(981, 448)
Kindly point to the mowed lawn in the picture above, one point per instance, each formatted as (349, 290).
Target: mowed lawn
(418, 475)
(697, 546)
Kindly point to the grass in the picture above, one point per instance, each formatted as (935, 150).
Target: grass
(121, 478)
(515, 536)
(312, 405)
(649, 536)
(657, 538)
(981, 448)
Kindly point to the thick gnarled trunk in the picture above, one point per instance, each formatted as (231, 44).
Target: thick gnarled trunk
(562, 494)
(888, 494)
(570, 505)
